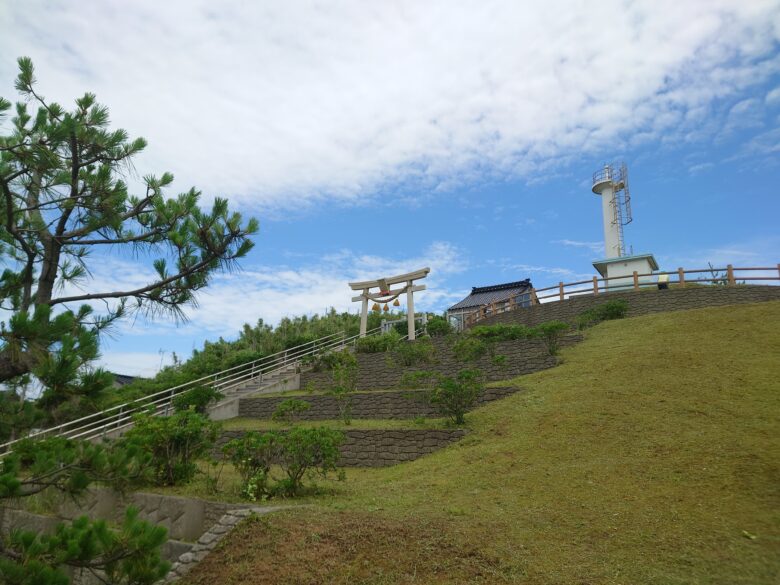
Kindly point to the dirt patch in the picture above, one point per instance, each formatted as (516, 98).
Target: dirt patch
(313, 547)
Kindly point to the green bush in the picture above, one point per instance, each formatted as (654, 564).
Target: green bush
(616, 309)
(378, 343)
(306, 451)
(501, 332)
(455, 396)
(469, 348)
(252, 455)
(413, 353)
(197, 399)
(242, 356)
(175, 443)
(298, 452)
(329, 360)
(438, 327)
(552, 332)
(419, 379)
(289, 410)
(344, 376)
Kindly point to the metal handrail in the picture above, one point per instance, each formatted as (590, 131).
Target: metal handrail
(159, 403)
(561, 292)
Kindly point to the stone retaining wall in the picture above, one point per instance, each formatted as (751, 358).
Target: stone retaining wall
(377, 371)
(184, 518)
(183, 555)
(381, 448)
(642, 302)
(386, 405)
(14, 519)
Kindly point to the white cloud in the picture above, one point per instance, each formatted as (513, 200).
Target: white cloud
(595, 247)
(758, 252)
(284, 103)
(700, 167)
(772, 97)
(135, 363)
(273, 292)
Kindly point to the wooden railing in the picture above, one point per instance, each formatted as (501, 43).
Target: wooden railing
(728, 276)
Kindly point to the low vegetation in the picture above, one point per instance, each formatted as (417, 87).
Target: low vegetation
(551, 333)
(175, 443)
(414, 353)
(298, 452)
(289, 410)
(197, 399)
(648, 456)
(378, 343)
(481, 340)
(358, 424)
(616, 309)
(453, 396)
(344, 382)
(438, 327)
(127, 554)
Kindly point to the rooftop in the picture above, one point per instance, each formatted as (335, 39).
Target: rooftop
(484, 295)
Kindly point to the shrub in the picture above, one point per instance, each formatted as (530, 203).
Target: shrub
(419, 379)
(469, 348)
(412, 353)
(242, 356)
(551, 332)
(616, 309)
(197, 399)
(501, 332)
(344, 376)
(289, 410)
(378, 343)
(331, 359)
(252, 456)
(438, 327)
(454, 396)
(306, 451)
(298, 452)
(175, 443)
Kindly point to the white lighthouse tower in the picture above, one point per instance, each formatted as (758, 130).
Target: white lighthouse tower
(611, 184)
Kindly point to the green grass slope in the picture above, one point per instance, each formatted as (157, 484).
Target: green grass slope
(651, 455)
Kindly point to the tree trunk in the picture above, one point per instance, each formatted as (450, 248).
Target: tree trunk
(12, 366)
(49, 268)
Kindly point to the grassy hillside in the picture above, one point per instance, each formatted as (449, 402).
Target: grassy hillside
(651, 455)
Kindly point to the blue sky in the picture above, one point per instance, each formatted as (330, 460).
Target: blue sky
(373, 139)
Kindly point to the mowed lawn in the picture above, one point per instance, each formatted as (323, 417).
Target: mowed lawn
(650, 455)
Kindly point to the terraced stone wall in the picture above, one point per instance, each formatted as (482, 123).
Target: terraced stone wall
(381, 448)
(384, 405)
(377, 371)
(642, 302)
(184, 518)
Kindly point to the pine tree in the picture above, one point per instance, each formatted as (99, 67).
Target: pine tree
(125, 555)
(62, 198)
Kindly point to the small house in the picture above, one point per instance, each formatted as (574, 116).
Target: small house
(496, 297)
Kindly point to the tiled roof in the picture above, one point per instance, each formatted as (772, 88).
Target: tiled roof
(123, 379)
(485, 295)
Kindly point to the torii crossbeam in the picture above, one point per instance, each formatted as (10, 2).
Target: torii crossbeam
(385, 294)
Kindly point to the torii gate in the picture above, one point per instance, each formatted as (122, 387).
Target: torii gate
(386, 295)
